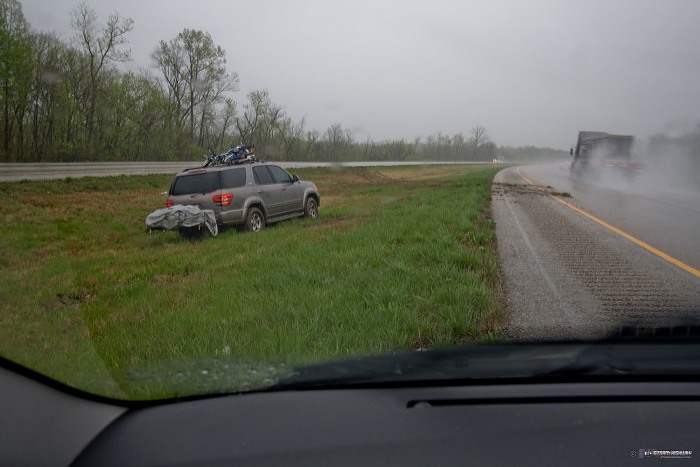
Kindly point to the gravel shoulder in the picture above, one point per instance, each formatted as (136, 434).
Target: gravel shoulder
(566, 277)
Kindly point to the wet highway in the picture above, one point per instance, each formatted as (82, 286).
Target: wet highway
(11, 172)
(580, 258)
(661, 216)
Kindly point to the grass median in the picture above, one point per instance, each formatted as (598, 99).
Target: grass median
(400, 258)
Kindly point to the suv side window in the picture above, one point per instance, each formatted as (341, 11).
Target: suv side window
(279, 174)
(233, 178)
(262, 176)
(197, 183)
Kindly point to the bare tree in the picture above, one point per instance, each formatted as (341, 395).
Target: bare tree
(312, 151)
(227, 120)
(479, 137)
(260, 118)
(101, 47)
(169, 58)
(292, 135)
(335, 139)
(194, 71)
(15, 71)
(366, 149)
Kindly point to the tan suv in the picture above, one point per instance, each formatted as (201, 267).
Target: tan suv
(249, 195)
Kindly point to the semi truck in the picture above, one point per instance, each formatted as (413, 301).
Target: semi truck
(596, 151)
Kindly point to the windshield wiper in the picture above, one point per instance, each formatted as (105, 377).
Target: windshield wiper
(508, 361)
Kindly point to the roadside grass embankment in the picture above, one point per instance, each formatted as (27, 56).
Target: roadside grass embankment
(401, 258)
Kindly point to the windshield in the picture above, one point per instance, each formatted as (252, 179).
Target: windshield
(456, 175)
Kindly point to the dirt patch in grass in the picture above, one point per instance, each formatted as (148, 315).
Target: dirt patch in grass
(340, 223)
(349, 177)
(428, 172)
(372, 177)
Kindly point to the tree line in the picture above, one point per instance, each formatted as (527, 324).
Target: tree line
(69, 101)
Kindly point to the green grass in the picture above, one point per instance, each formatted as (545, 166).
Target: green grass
(400, 260)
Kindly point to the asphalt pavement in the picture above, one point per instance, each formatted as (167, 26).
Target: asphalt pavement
(581, 259)
(12, 172)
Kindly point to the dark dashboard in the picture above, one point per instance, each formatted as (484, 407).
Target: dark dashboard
(600, 422)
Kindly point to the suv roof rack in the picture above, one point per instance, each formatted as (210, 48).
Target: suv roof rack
(246, 161)
(241, 162)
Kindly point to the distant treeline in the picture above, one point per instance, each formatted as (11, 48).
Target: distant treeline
(70, 102)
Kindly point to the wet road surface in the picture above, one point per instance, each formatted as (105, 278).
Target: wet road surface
(579, 259)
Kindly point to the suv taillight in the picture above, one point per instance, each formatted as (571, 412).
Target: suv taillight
(169, 203)
(223, 200)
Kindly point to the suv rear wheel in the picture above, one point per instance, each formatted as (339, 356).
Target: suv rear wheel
(255, 221)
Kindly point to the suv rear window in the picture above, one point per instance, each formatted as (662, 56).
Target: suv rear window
(197, 183)
(233, 178)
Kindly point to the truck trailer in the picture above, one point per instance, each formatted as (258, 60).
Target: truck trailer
(597, 151)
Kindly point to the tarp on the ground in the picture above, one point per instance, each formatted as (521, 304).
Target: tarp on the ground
(174, 217)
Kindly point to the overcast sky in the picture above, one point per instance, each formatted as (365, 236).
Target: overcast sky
(531, 72)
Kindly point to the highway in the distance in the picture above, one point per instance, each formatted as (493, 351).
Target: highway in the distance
(581, 257)
(12, 172)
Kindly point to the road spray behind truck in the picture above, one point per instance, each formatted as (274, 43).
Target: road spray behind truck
(597, 151)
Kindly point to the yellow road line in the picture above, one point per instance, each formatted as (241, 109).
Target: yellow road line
(526, 179)
(629, 237)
